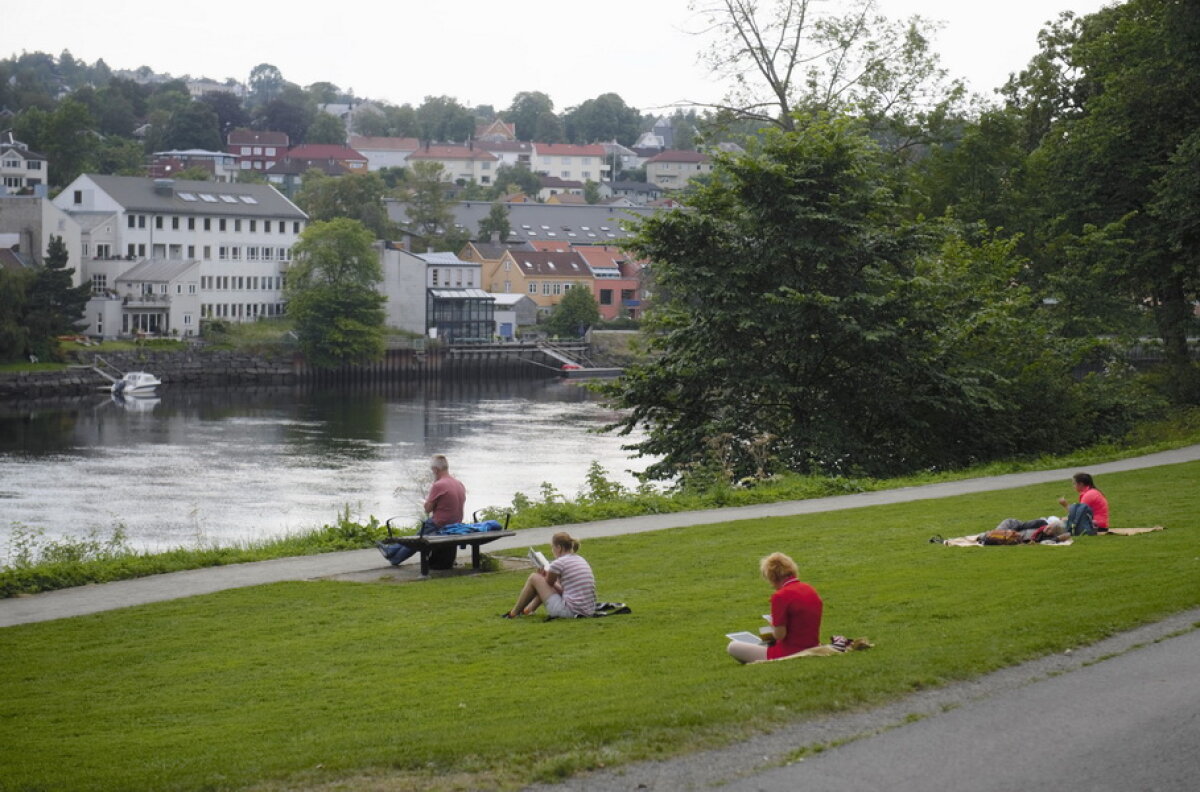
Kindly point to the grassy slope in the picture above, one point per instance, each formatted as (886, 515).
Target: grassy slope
(384, 686)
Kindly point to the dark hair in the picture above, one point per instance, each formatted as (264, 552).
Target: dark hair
(1085, 479)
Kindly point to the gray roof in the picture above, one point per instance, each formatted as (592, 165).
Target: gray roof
(461, 294)
(157, 270)
(494, 251)
(138, 194)
(577, 224)
(442, 259)
(509, 300)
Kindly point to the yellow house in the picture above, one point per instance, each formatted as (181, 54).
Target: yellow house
(542, 275)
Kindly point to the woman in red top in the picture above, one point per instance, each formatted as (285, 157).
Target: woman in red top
(1092, 498)
(795, 614)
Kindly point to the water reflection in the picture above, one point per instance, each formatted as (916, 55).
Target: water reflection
(195, 465)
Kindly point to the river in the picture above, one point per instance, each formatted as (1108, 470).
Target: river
(197, 467)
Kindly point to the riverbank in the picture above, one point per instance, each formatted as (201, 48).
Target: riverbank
(117, 564)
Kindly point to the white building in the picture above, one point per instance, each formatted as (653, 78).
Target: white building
(384, 152)
(173, 252)
(21, 168)
(571, 162)
(435, 293)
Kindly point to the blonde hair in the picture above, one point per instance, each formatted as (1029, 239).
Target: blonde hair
(565, 541)
(778, 567)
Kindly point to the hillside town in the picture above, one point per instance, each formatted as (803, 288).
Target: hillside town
(207, 233)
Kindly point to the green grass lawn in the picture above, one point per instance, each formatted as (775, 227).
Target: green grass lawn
(423, 686)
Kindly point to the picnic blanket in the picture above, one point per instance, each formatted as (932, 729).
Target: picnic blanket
(976, 540)
(838, 644)
(1135, 531)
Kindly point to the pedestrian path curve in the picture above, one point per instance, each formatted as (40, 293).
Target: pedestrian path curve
(175, 585)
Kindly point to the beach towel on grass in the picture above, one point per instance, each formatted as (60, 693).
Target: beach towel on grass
(1135, 531)
(975, 540)
(838, 644)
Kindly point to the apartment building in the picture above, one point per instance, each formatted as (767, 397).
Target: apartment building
(163, 254)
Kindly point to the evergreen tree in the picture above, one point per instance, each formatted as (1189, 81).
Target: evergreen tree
(53, 306)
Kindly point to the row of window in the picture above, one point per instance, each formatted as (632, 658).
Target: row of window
(462, 277)
(177, 223)
(551, 287)
(241, 310)
(606, 296)
(29, 164)
(258, 151)
(241, 282)
(253, 253)
(567, 160)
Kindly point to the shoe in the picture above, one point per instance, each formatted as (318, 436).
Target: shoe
(383, 549)
(507, 615)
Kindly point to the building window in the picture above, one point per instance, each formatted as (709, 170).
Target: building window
(191, 288)
(222, 253)
(158, 221)
(191, 251)
(251, 254)
(533, 287)
(174, 223)
(179, 288)
(191, 224)
(221, 224)
(187, 319)
(546, 289)
(245, 150)
(142, 250)
(78, 197)
(208, 224)
(237, 225)
(132, 220)
(253, 225)
(557, 289)
(207, 252)
(606, 296)
(99, 283)
(295, 226)
(434, 276)
(131, 250)
(235, 253)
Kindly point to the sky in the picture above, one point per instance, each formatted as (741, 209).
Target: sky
(478, 51)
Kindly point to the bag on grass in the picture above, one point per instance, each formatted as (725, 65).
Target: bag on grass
(1001, 536)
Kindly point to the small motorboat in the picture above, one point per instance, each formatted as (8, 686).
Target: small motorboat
(135, 382)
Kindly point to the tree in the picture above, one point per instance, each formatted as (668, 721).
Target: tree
(444, 118)
(332, 296)
(14, 336)
(520, 177)
(194, 126)
(799, 324)
(549, 129)
(324, 93)
(1114, 97)
(53, 306)
(591, 192)
(574, 314)
(526, 109)
(429, 213)
(326, 128)
(785, 56)
(291, 111)
(64, 136)
(606, 117)
(266, 83)
(231, 114)
(496, 223)
(120, 157)
(356, 196)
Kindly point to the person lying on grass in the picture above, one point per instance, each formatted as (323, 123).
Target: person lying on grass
(795, 614)
(567, 587)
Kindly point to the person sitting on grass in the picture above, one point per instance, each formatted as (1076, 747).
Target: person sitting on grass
(795, 614)
(1090, 515)
(567, 587)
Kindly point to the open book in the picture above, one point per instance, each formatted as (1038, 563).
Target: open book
(765, 634)
(538, 559)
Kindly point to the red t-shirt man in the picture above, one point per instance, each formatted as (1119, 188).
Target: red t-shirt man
(797, 606)
(446, 497)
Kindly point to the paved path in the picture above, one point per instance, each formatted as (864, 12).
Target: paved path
(368, 564)
(1121, 714)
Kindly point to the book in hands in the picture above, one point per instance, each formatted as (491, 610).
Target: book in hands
(766, 634)
(538, 559)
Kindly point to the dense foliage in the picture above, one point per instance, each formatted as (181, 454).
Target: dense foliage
(332, 296)
(38, 305)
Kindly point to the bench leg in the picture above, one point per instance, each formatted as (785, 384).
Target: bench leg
(425, 563)
(474, 555)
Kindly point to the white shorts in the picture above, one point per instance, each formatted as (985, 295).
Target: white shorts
(557, 607)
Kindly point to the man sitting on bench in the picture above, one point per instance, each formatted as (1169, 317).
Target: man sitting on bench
(444, 507)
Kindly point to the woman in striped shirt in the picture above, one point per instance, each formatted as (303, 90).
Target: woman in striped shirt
(567, 587)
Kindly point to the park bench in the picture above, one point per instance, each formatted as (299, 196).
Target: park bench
(444, 547)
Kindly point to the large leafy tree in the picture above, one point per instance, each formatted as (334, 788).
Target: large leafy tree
(444, 118)
(332, 295)
(14, 336)
(604, 118)
(429, 212)
(326, 128)
(799, 324)
(574, 314)
(526, 109)
(495, 223)
(194, 126)
(356, 196)
(1118, 153)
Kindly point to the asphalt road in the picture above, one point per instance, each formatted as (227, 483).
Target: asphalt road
(1131, 722)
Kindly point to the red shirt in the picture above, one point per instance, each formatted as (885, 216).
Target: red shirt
(1095, 498)
(796, 606)
(445, 502)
